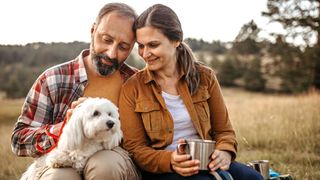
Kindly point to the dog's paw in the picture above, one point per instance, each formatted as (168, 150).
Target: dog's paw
(58, 160)
(54, 163)
(79, 163)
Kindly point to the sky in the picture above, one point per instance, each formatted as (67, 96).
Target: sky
(27, 21)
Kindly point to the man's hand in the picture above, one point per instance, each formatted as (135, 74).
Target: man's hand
(74, 104)
(220, 159)
(182, 164)
(57, 128)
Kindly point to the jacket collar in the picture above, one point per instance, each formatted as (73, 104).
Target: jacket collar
(149, 75)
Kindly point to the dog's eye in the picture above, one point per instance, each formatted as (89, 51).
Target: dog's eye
(109, 113)
(96, 113)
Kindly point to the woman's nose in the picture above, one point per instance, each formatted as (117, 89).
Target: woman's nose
(146, 53)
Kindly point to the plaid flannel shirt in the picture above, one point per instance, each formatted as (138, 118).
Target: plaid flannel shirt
(47, 103)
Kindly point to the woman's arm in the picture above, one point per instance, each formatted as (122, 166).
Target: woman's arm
(135, 137)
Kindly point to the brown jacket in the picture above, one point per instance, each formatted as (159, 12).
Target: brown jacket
(148, 126)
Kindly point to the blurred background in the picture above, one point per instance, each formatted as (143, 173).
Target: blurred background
(266, 54)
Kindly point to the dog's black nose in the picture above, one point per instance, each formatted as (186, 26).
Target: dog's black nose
(110, 124)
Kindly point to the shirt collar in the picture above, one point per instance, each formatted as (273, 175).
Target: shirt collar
(83, 77)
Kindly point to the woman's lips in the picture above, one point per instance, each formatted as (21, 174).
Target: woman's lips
(151, 61)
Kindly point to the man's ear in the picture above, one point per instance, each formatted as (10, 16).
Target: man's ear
(93, 28)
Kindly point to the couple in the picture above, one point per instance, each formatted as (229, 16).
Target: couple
(174, 97)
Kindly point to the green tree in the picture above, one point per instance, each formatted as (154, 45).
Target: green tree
(20, 65)
(246, 41)
(253, 77)
(299, 18)
(291, 66)
(217, 47)
(311, 62)
(215, 63)
(230, 69)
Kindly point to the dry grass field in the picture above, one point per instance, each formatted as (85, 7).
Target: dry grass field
(284, 129)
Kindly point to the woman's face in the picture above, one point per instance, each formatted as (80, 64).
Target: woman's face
(156, 49)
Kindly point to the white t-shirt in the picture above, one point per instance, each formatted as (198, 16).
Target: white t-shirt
(183, 126)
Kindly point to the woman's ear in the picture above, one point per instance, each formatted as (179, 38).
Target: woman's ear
(176, 43)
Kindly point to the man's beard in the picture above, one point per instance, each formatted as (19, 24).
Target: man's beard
(102, 68)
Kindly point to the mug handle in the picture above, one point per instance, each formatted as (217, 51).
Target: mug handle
(250, 164)
(181, 148)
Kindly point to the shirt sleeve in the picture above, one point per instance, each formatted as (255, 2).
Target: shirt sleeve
(31, 136)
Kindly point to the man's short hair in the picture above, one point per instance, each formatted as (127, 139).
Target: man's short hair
(121, 8)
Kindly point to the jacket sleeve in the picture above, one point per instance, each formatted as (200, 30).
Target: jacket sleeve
(135, 138)
(223, 132)
(31, 135)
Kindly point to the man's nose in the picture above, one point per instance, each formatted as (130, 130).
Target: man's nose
(112, 52)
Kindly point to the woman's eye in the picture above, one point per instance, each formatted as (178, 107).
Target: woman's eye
(140, 46)
(153, 45)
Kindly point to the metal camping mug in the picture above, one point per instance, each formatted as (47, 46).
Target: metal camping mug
(262, 166)
(198, 149)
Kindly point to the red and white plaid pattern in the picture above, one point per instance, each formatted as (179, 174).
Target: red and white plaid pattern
(47, 103)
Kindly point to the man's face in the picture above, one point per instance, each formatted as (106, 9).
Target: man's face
(111, 43)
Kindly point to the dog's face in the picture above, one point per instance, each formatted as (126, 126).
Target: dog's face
(100, 119)
(95, 120)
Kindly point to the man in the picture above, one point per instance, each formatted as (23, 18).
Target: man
(98, 72)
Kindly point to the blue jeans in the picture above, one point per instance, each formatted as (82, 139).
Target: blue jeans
(237, 170)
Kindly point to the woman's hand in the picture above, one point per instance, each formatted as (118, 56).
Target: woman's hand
(182, 164)
(220, 159)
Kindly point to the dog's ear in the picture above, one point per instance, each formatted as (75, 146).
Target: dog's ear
(72, 136)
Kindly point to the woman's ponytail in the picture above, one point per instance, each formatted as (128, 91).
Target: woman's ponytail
(187, 63)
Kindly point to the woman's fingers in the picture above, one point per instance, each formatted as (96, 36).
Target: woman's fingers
(220, 159)
(225, 166)
(182, 164)
(187, 171)
(180, 158)
(187, 163)
(218, 163)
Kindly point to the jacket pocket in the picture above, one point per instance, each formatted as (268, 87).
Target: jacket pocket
(152, 120)
(150, 114)
(200, 102)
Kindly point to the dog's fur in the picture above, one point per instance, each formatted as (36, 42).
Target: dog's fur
(93, 126)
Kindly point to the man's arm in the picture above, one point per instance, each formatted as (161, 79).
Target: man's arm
(31, 135)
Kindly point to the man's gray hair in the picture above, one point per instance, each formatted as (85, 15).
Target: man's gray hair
(121, 8)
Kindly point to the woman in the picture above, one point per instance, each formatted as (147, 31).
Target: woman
(172, 99)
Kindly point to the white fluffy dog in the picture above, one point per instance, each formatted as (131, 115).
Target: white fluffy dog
(93, 126)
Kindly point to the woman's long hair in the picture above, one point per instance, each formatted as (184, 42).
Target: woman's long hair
(165, 19)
